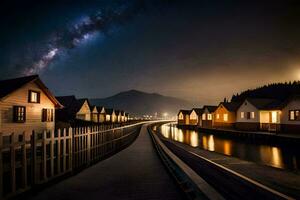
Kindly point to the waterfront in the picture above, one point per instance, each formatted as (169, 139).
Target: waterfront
(284, 157)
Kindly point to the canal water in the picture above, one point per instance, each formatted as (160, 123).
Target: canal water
(284, 157)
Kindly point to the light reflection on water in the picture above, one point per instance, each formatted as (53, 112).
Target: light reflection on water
(280, 157)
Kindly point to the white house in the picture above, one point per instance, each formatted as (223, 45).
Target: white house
(26, 104)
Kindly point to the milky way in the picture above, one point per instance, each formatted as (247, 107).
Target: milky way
(101, 21)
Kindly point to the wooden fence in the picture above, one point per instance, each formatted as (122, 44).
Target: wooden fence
(25, 163)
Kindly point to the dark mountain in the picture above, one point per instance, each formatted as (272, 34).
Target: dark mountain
(140, 103)
(279, 91)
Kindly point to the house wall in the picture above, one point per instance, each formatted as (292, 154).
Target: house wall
(221, 110)
(193, 118)
(292, 105)
(102, 117)
(205, 122)
(247, 107)
(84, 113)
(33, 111)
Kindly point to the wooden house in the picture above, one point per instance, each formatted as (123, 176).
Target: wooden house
(26, 104)
(183, 117)
(118, 116)
(126, 117)
(101, 114)
(193, 118)
(225, 115)
(290, 115)
(123, 114)
(73, 109)
(94, 114)
(110, 116)
(259, 114)
(199, 112)
(207, 116)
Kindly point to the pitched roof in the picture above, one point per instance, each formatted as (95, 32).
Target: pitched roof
(109, 111)
(185, 112)
(71, 107)
(210, 108)
(199, 111)
(99, 108)
(263, 103)
(10, 85)
(231, 106)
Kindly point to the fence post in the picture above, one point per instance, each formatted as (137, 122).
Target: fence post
(70, 148)
(1, 166)
(52, 153)
(64, 150)
(58, 152)
(34, 159)
(44, 155)
(24, 162)
(89, 134)
(13, 163)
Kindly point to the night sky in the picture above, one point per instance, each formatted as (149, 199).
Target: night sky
(196, 50)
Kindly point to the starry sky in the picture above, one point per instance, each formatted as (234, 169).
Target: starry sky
(198, 50)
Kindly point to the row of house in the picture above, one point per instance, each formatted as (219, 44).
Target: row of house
(81, 109)
(253, 114)
(26, 104)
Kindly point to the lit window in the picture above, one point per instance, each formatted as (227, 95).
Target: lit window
(203, 117)
(218, 116)
(193, 115)
(252, 115)
(292, 115)
(34, 97)
(242, 115)
(19, 114)
(209, 116)
(180, 116)
(274, 116)
(47, 115)
(225, 117)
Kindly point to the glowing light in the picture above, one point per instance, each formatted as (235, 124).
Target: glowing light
(211, 143)
(194, 139)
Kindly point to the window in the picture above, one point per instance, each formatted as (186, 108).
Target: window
(252, 115)
(33, 97)
(209, 116)
(193, 115)
(294, 115)
(242, 115)
(225, 117)
(274, 117)
(218, 116)
(47, 115)
(180, 116)
(19, 114)
(203, 117)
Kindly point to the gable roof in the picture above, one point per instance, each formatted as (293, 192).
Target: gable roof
(99, 108)
(109, 111)
(71, 107)
(185, 112)
(231, 106)
(263, 103)
(210, 108)
(10, 85)
(199, 111)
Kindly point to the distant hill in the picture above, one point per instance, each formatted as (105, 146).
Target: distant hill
(140, 103)
(279, 91)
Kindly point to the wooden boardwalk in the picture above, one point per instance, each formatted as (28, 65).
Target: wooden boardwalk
(134, 173)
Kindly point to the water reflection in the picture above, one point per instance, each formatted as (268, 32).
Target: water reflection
(280, 157)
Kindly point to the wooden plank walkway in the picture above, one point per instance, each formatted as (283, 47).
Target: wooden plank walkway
(134, 173)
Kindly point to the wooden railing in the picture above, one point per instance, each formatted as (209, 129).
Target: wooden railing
(25, 163)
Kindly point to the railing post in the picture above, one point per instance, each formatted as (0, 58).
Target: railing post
(52, 153)
(64, 150)
(13, 163)
(89, 134)
(24, 162)
(1, 166)
(44, 142)
(34, 159)
(58, 152)
(70, 149)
